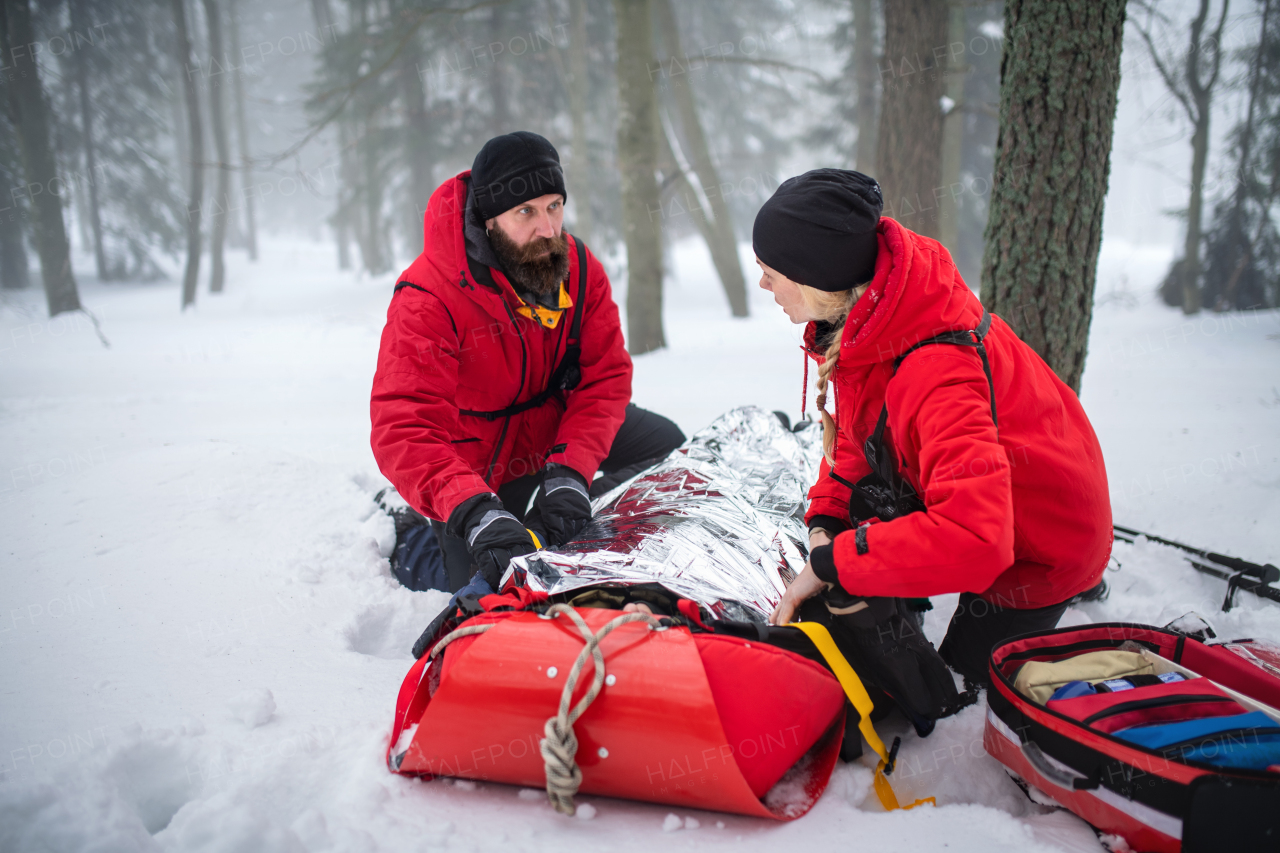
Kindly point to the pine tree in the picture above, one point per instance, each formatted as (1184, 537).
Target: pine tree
(115, 135)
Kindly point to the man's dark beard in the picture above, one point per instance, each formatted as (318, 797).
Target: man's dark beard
(540, 275)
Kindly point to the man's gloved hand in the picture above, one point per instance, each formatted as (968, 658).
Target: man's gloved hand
(562, 507)
(493, 537)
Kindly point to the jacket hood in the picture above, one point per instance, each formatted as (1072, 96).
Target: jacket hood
(916, 294)
(444, 247)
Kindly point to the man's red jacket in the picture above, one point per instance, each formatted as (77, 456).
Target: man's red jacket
(452, 343)
(1022, 515)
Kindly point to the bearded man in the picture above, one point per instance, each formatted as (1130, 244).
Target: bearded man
(503, 386)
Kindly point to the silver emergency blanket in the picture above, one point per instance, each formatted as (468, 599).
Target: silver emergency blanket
(719, 521)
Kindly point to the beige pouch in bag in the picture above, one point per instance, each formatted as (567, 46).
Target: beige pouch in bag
(1038, 680)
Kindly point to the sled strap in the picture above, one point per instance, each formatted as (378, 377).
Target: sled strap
(862, 703)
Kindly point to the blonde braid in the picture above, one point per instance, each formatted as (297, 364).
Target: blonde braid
(832, 307)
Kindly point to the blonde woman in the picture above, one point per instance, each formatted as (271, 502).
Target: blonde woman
(955, 459)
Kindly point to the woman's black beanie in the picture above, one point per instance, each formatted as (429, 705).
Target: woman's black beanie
(819, 229)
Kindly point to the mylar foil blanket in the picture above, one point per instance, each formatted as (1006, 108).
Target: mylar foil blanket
(719, 521)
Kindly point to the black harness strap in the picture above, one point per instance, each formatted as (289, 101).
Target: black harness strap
(885, 493)
(963, 339)
(567, 374)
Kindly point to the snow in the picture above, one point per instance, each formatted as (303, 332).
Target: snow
(253, 707)
(202, 642)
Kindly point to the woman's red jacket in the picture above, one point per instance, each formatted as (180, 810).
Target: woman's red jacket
(1021, 515)
(452, 343)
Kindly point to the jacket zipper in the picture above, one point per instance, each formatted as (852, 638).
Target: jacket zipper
(1152, 702)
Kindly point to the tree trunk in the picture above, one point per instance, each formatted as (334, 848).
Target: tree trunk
(1195, 208)
(1236, 222)
(637, 153)
(910, 140)
(865, 65)
(722, 242)
(1058, 82)
(579, 91)
(30, 113)
(13, 248)
(13, 256)
(500, 118)
(323, 16)
(79, 24)
(195, 150)
(418, 147)
(346, 197)
(217, 115)
(371, 237)
(680, 195)
(242, 136)
(952, 136)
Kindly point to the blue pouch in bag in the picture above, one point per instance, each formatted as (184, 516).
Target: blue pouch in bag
(1249, 741)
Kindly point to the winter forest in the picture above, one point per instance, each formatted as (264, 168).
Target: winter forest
(205, 210)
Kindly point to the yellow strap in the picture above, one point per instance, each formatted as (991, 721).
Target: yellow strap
(537, 543)
(857, 694)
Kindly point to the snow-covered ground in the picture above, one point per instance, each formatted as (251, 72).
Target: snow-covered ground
(202, 643)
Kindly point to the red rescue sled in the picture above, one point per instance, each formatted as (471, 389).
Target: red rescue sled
(696, 720)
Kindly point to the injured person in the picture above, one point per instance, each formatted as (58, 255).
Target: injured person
(668, 589)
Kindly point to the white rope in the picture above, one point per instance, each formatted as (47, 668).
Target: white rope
(457, 635)
(560, 746)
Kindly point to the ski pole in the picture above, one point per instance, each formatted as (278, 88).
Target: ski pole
(1239, 574)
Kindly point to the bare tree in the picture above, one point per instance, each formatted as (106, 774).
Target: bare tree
(195, 151)
(910, 138)
(30, 113)
(80, 23)
(637, 153)
(1059, 77)
(242, 137)
(217, 117)
(719, 234)
(341, 219)
(417, 145)
(577, 84)
(1192, 87)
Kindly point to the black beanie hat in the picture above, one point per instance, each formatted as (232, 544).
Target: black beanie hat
(514, 168)
(819, 229)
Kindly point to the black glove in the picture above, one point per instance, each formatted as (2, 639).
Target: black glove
(562, 507)
(493, 536)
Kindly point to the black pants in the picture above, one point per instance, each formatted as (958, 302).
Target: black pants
(978, 626)
(643, 439)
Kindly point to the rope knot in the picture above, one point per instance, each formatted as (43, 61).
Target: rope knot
(559, 747)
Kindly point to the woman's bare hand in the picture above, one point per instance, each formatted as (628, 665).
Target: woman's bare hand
(805, 586)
